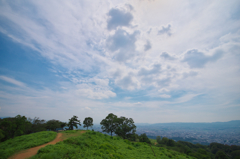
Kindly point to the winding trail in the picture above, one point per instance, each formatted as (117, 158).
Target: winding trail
(33, 151)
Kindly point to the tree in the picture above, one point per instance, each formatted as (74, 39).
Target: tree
(170, 142)
(36, 125)
(164, 140)
(158, 139)
(13, 127)
(125, 127)
(1, 134)
(21, 122)
(109, 124)
(73, 122)
(88, 122)
(63, 124)
(144, 138)
(221, 155)
(53, 124)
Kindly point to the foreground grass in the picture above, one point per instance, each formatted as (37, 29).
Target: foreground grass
(11, 146)
(96, 145)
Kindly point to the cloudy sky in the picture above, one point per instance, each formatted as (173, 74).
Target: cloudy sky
(152, 60)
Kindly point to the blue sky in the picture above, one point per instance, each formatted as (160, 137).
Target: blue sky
(154, 61)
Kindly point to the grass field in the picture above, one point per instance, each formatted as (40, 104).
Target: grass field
(71, 133)
(96, 145)
(10, 147)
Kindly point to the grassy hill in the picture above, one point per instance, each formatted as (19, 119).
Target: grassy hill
(96, 145)
(11, 146)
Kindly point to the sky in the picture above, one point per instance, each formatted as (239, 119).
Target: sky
(156, 61)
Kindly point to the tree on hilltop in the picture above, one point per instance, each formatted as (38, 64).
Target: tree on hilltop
(73, 122)
(109, 124)
(54, 124)
(125, 127)
(88, 122)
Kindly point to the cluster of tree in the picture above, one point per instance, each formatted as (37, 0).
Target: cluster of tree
(74, 122)
(20, 125)
(232, 151)
(123, 127)
(213, 151)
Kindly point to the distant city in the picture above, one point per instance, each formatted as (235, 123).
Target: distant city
(202, 133)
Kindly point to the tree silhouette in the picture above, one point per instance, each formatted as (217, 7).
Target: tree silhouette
(73, 122)
(88, 122)
(109, 124)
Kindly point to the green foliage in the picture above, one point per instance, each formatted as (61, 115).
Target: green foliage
(109, 124)
(73, 122)
(125, 127)
(1, 134)
(196, 150)
(170, 142)
(12, 127)
(94, 145)
(235, 154)
(144, 138)
(11, 146)
(226, 149)
(158, 139)
(221, 155)
(88, 122)
(53, 124)
(36, 125)
(164, 140)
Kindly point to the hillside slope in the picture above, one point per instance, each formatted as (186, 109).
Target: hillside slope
(96, 145)
(11, 146)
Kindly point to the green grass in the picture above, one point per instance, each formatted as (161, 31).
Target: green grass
(11, 146)
(71, 133)
(94, 145)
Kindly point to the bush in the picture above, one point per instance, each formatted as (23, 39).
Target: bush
(144, 138)
(235, 154)
(164, 140)
(170, 142)
(158, 139)
(221, 155)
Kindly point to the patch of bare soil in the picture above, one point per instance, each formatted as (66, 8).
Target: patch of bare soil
(33, 151)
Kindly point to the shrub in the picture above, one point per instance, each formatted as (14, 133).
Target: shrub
(221, 155)
(164, 140)
(144, 138)
(170, 142)
(158, 139)
(234, 154)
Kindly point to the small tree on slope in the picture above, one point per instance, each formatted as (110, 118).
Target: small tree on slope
(88, 122)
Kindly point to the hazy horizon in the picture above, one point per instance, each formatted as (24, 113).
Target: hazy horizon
(154, 61)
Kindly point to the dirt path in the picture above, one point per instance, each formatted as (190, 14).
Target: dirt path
(33, 151)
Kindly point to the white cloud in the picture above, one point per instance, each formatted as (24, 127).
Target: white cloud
(87, 108)
(107, 45)
(165, 96)
(12, 81)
